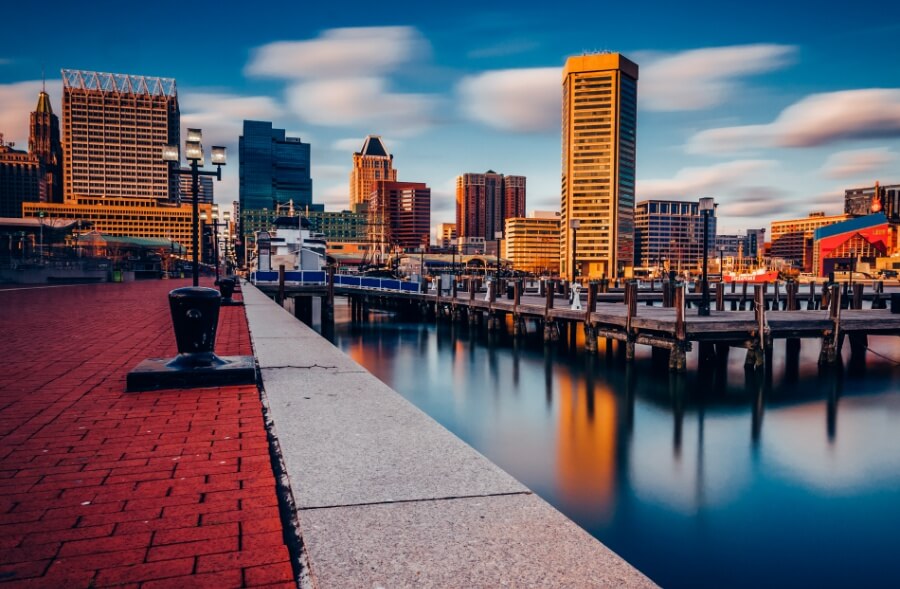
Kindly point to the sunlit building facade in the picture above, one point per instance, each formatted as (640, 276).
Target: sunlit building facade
(399, 216)
(371, 164)
(45, 144)
(338, 226)
(114, 129)
(792, 239)
(671, 231)
(446, 235)
(125, 216)
(21, 180)
(599, 123)
(532, 243)
(485, 201)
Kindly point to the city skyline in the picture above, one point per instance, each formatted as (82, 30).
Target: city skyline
(774, 117)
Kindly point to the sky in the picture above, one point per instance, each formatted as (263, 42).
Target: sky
(772, 108)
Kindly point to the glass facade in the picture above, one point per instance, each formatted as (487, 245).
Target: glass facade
(274, 173)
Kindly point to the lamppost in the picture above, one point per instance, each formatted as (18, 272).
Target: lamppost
(574, 224)
(852, 267)
(498, 235)
(721, 268)
(215, 219)
(193, 151)
(453, 243)
(706, 207)
(41, 243)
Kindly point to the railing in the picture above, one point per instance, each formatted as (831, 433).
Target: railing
(319, 278)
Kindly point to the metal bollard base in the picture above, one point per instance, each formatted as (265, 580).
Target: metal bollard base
(188, 371)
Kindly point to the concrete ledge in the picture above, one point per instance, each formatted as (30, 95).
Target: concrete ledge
(387, 497)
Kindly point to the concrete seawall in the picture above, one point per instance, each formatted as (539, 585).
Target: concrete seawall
(386, 497)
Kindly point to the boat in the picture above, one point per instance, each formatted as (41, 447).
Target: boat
(757, 275)
(292, 244)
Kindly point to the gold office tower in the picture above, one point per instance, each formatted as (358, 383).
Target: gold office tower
(599, 120)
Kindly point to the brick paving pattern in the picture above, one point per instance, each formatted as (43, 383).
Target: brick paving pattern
(102, 488)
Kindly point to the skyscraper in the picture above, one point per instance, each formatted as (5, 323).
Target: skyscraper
(44, 142)
(114, 129)
(399, 215)
(371, 164)
(205, 189)
(20, 179)
(671, 230)
(485, 201)
(599, 119)
(274, 171)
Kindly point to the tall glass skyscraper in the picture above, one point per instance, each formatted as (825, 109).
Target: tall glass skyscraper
(274, 173)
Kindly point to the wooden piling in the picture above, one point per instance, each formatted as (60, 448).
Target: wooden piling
(631, 292)
(677, 355)
(832, 337)
(281, 284)
(720, 296)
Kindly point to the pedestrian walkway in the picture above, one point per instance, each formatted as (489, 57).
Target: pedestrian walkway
(98, 487)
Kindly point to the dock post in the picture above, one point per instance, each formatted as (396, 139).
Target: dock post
(743, 305)
(677, 356)
(281, 285)
(791, 288)
(857, 296)
(831, 338)
(878, 300)
(551, 329)
(327, 314)
(756, 353)
(720, 296)
(631, 291)
(590, 336)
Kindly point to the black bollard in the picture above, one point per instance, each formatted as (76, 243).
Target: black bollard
(195, 317)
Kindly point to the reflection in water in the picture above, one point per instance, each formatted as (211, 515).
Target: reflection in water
(729, 478)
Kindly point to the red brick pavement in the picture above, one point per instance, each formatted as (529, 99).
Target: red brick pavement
(99, 487)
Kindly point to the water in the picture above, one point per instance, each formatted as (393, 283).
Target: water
(734, 481)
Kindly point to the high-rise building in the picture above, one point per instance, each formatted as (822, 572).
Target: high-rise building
(205, 189)
(114, 129)
(532, 243)
(44, 143)
(399, 216)
(793, 239)
(865, 201)
(447, 235)
(21, 179)
(599, 120)
(756, 240)
(485, 201)
(274, 172)
(671, 230)
(371, 164)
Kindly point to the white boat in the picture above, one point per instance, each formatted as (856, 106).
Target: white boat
(292, 244)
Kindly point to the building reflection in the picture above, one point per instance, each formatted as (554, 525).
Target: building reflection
(586, 445)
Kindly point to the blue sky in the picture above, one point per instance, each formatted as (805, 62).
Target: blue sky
(771, 107)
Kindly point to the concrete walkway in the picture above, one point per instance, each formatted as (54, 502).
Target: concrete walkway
(386, 497)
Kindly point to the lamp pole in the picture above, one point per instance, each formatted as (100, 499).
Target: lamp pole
(852, 267)
(574, 224)
(498, 235)
(193, 148)
(706, 206)
(41, 243)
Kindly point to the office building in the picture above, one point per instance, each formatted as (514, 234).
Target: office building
(274, 174)
(44, 143)
(446, 236)
(874, 199)
(124, 216)
(205, 189)
(671, 231)
(599, 120)
(114, 129)
(532, 243)
(371, 164)
(792, 239)
(399, 216)
(339, 227)
(21, 180)
(485, 201)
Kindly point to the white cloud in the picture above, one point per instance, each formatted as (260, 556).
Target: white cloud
(339, 53)
(360, 101)
(342, 78)
(693, 183)
(703, 78)
(521, 100)
(857, 162)
(819, 119)
(335, 197)
(18, 100)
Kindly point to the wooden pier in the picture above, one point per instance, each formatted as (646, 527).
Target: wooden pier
(750, 317)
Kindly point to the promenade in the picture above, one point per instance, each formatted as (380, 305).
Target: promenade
(102, 488)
